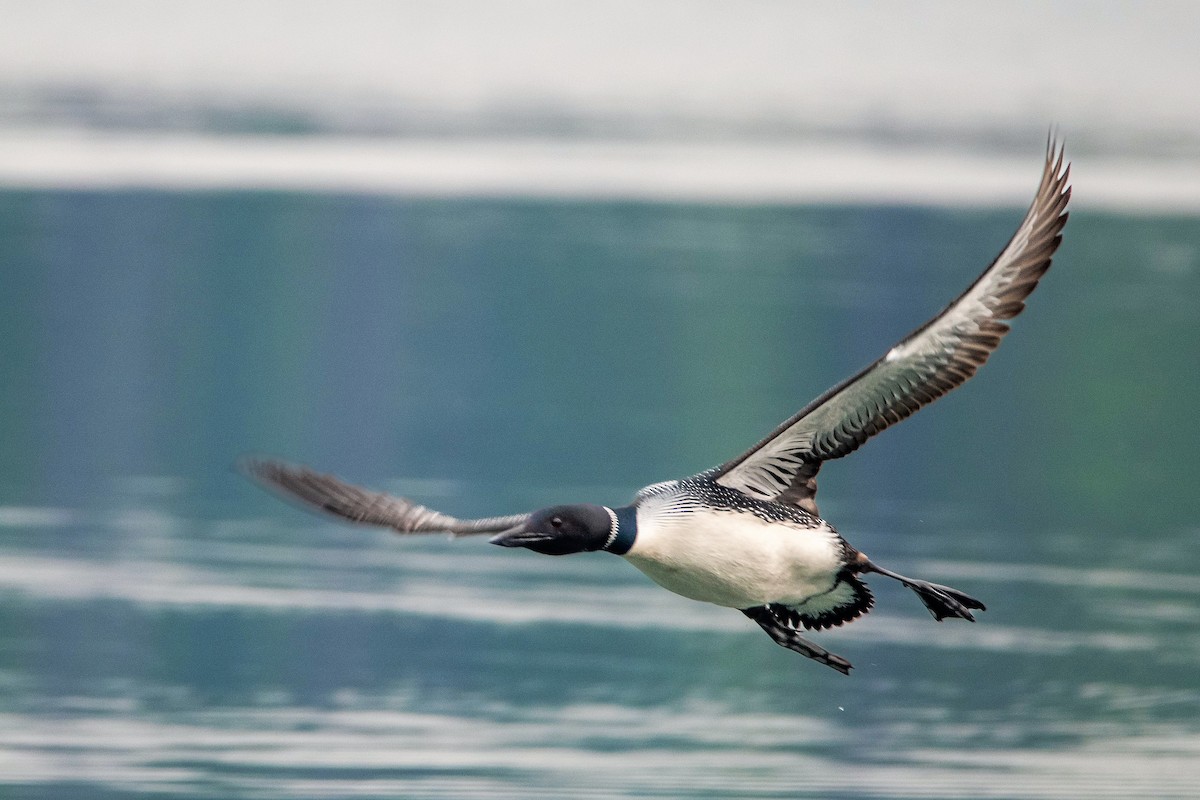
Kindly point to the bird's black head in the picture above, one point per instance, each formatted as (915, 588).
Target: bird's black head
(561, 530)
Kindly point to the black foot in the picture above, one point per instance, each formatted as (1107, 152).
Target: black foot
(942, 601)
(785, 636)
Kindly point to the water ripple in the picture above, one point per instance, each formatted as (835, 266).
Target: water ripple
(592, 750)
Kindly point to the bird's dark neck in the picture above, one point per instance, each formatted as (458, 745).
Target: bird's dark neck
(624, 531)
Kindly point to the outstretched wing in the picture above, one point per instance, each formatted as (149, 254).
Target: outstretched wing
(939, 356)
(355, 504)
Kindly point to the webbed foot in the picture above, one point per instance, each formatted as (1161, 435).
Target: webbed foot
(786, 636)
(942, 601)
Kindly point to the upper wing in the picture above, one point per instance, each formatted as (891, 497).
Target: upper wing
(937, 357)
(360, 505)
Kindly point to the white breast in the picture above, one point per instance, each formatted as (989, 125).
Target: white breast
(733, 558)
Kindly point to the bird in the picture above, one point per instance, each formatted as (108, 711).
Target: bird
(747, 534)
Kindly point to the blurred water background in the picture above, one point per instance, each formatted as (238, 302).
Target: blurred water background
(506, 255)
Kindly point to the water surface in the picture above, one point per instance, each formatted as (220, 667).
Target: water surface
(168, 630)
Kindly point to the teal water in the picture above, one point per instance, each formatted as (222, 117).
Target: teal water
(167, 630)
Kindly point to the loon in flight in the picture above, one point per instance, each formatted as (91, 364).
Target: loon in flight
(747, 534)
